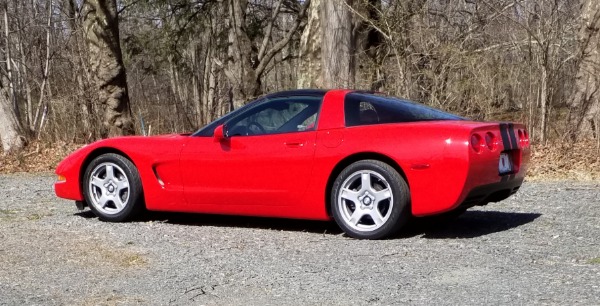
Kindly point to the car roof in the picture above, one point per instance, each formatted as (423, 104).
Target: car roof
(299, 92)
(314, 92)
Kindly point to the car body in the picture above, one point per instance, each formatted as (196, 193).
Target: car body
(283, 156)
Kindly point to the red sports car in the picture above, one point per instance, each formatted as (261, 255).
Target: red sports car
(367, 160)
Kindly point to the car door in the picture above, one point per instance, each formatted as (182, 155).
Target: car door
(264, 161)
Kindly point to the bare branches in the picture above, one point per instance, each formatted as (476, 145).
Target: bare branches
(267, 35)
(278, 46)
(42, 104)
(530, 61)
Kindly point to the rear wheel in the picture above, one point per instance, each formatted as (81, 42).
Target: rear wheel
(370, 200)
(112, 188)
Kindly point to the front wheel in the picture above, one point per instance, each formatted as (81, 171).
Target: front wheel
(112, 188)
(370, 200)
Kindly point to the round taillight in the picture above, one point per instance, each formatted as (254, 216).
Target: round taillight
(491, 141)
(521, 137)
(477, 142)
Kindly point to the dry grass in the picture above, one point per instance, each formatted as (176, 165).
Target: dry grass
(554, 161)
(565, 161)
(93, 252)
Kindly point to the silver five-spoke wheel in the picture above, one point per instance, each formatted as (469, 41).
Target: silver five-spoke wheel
(109, 188)
(366, 200)
(370, 200)
(113, 188)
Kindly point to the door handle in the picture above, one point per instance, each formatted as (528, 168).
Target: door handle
(294, 144)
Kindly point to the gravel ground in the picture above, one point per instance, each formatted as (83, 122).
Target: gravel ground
(541, 246)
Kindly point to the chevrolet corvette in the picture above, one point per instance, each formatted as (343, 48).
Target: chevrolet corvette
(366, 160)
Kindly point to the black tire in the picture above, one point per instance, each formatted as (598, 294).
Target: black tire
(115, 197)
(392, 212)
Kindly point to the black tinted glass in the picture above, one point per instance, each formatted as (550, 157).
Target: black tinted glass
(365, 109)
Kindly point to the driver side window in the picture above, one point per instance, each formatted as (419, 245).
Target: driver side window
(276, 116)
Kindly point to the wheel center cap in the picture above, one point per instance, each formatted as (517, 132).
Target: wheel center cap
(366, 200)
(111, 188)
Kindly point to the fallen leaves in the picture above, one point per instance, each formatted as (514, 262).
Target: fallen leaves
(565, 161)
(37, 157)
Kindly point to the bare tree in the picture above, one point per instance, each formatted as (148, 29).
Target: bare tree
(586, 97)
(77, 49)
(247, 62)
(101, 26)
(310, 66)
(10, 128)
(327, 47)
(374, 45)
(338, 44)
(240, 65)
(500, 60)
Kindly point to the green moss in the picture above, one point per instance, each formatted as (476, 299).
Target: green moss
(595, 261)
(7, 212)
(33, 217)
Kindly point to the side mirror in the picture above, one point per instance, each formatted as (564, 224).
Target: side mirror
(219, 133)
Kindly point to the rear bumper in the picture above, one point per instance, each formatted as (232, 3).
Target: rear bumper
(495, 192)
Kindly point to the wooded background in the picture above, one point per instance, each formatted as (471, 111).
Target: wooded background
(73, 71)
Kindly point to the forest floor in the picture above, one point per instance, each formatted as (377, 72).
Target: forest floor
(554, 161)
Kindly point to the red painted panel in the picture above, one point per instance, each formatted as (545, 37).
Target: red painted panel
(268, 172)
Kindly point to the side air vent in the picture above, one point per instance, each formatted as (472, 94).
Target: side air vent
(160, 181)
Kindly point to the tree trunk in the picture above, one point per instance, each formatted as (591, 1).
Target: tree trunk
(197, 68)
(543, 104)
(28, 96)
(310, 66)
(101, 27)
(70, 6)
(209, 88)
(43, 104)
(327, 46)
(586, 97)
(11, 86)
(337, 45)
(374, 45)
(10, 130)
(11, 135)
(245, 84)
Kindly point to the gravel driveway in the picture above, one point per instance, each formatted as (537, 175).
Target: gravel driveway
(541, 246)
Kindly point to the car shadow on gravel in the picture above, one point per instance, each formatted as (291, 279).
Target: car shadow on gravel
(278, 224)
(470, 224)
